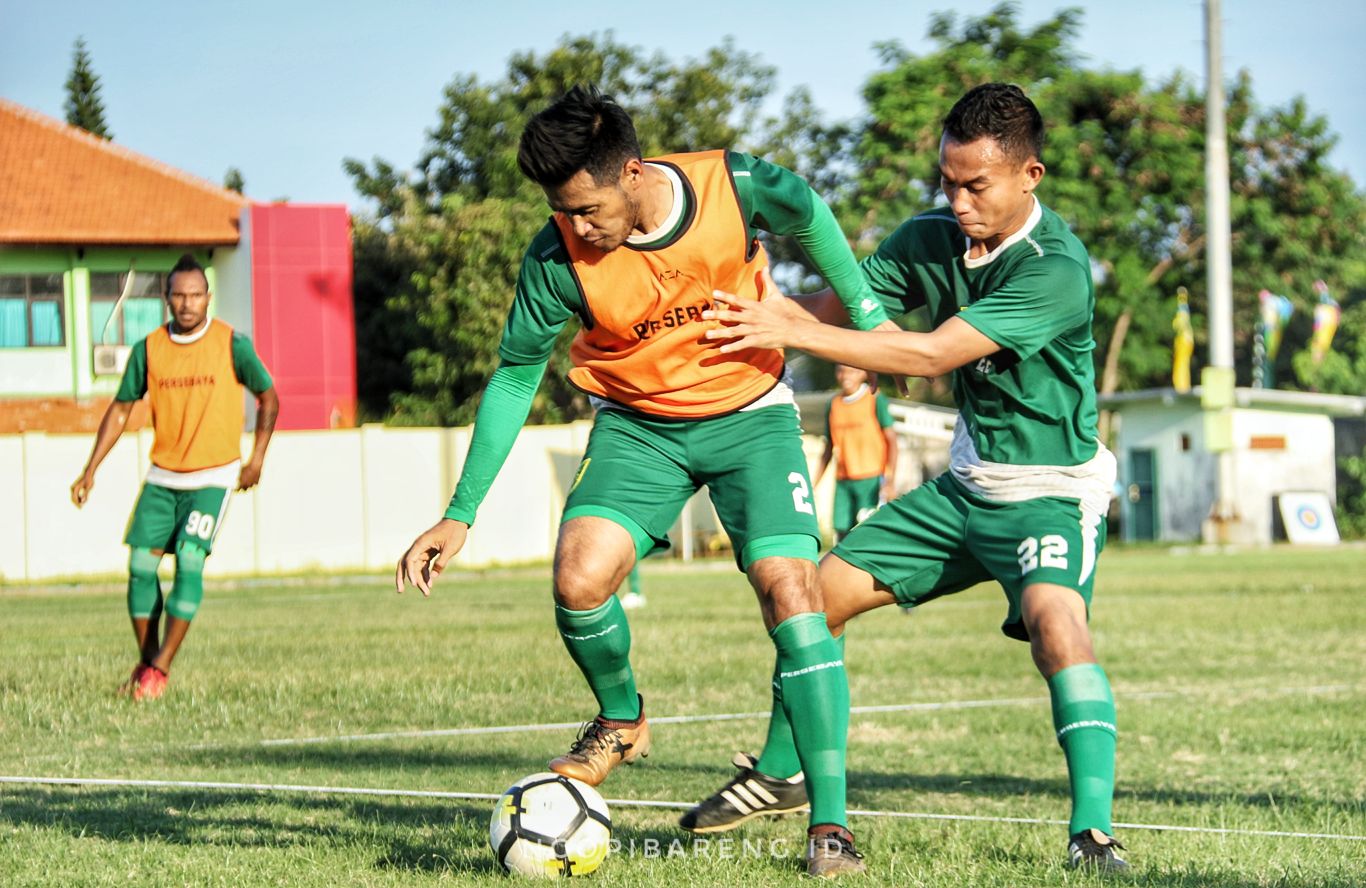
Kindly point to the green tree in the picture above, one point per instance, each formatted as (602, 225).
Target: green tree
(83, 105)
(1126, 169)
(233, 181)
(436, 263)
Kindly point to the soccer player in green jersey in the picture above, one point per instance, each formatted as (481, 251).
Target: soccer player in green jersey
(192, 372)
(1009, 290)
(635, 249)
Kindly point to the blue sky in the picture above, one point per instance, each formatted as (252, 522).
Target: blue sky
(284, 90)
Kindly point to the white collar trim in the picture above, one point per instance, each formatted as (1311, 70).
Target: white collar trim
(186, 339)
(1035, 215)
(859, 393)
(675, 212)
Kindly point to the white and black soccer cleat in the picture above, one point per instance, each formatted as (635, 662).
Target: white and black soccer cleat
(1093, 849)
(747, 795)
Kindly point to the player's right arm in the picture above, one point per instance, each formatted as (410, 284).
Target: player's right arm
(132, 387)
(546, 298)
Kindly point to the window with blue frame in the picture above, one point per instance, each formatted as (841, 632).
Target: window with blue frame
(32, 311)
(143, 311)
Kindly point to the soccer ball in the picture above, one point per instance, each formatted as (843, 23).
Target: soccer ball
(550, 825)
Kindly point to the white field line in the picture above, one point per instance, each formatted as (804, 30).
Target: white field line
(743, 716)
(620, 803)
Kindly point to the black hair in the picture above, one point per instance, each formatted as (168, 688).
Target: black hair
(187, 262)
(1000, 111)
(583, 130)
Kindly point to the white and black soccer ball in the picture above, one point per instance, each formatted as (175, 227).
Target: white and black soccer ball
(550, 825)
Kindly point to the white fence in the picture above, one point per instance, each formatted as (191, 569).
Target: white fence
(329, 501)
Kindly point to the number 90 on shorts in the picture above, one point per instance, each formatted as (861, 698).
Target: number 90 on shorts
(164, 516)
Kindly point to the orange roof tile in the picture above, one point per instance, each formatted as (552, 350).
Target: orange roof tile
(61, 185)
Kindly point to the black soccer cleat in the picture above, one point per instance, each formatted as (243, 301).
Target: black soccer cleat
(747, 795)
(1093, 849)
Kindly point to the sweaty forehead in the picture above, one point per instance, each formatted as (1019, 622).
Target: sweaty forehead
(966, 161)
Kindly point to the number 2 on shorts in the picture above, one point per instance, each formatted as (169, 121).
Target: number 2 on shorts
(801, 493)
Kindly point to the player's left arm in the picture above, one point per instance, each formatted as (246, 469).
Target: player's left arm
(884, 419)
(250, 372)
(777, 200)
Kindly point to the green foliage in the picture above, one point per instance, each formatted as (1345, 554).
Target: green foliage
(1351, 508)
(436, 265)
(233, 181)
(1125, 156)
(1126, 169)
(83, 105)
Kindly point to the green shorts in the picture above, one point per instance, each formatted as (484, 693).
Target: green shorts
(855, 501)
(641, 470)
(939, 539)
(164, 516)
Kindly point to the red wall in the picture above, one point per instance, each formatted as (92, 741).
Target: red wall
(302, 319)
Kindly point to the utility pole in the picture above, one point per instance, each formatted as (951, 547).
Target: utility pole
(1224, 524)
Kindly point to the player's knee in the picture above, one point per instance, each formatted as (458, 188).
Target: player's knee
(142, 564)
(188, 591)
(580, 586)
(144, 590)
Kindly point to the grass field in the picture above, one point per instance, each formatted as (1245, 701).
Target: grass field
(1240, 681)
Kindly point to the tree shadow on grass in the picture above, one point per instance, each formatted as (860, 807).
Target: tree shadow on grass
(1005, 785)
(358, 756)
(423, 836)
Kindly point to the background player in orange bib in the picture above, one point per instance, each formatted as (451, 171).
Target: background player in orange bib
(860, 441)
(192, 371)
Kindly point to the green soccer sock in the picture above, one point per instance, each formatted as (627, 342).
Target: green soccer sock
(1084, 717)
(815, 698)
(779, 758)
(634, 579)
(599, 641)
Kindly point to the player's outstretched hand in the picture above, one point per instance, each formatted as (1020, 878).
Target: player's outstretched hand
(428, 555)
(80, 490)
(751, 323)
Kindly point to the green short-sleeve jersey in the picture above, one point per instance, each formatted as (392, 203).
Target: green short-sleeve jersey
(772, 198)
(884, 413)
(1033, 403)
(246, 366)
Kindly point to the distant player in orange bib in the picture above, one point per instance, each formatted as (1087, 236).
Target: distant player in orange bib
(634, 250)
(192, 371)
(860, 441)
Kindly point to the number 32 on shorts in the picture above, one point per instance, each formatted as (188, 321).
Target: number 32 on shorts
(1046, 551)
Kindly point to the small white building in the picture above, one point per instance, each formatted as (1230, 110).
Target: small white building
(1282, 443)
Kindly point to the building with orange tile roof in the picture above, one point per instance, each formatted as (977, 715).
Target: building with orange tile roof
(78, 214)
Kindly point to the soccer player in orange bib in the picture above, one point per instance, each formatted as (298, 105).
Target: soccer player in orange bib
(192, 371)
(860, 441)
(634, 249)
